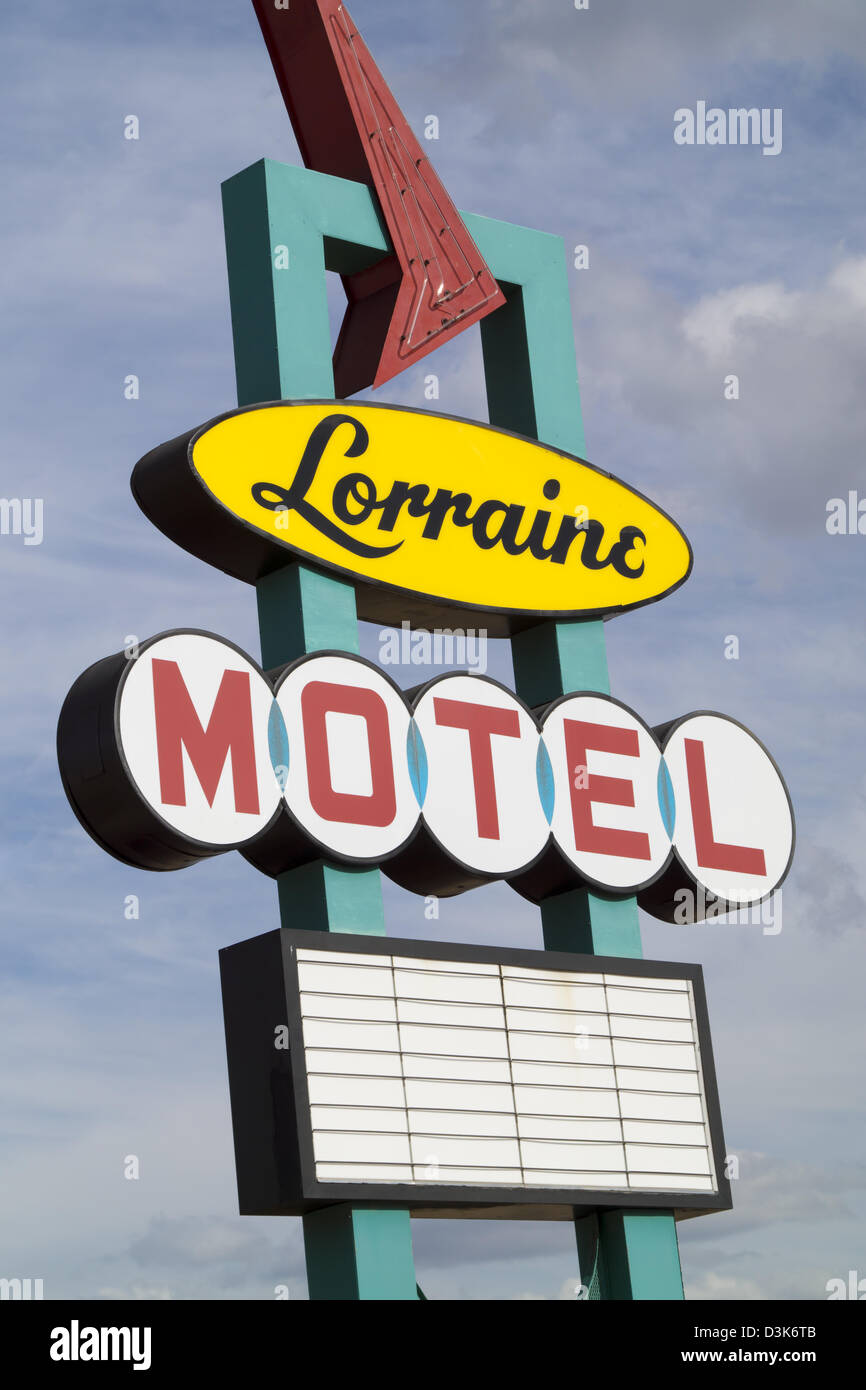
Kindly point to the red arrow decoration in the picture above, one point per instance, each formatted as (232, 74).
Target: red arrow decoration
(435, 283)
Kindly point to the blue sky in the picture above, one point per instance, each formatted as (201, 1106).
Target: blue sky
(703, 262)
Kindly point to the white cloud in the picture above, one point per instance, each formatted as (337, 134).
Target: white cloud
(717, 322)
(715, 1288)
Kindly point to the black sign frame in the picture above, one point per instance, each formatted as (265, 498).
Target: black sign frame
(271, 1106)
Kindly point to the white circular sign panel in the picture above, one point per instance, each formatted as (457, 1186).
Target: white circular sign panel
(482, 802)
(607, 818)
(347, 779)
(735, 827)
(193, 730)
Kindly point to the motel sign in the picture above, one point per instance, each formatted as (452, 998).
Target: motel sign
(374, 1079)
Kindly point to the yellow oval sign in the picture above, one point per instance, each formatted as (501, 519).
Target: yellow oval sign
(424, 512)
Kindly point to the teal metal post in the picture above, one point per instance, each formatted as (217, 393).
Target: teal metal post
(531, 374)
(359, 1253)
(629, 1255)
(275, 242)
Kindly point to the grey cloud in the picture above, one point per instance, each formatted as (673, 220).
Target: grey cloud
(794, 437)
(212, 1242)
(773, 1190)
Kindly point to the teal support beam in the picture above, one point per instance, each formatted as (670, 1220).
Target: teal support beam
(554, 657)
(529, 358)
(630, 1255)
(284, 228)
(355, 1253)
(551, 659)
(323, 897)
(593, 923)
(532, 387)
(302, 610)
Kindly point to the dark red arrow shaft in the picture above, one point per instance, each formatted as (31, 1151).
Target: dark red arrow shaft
(347, 123)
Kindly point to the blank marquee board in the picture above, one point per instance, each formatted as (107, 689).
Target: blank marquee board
(470, 1081)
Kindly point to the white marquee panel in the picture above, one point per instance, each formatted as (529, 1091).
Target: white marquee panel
(479, 1074)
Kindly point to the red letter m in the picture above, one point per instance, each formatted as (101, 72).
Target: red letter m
(229, 730)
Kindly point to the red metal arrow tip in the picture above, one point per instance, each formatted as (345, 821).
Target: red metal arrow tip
(435, 284)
